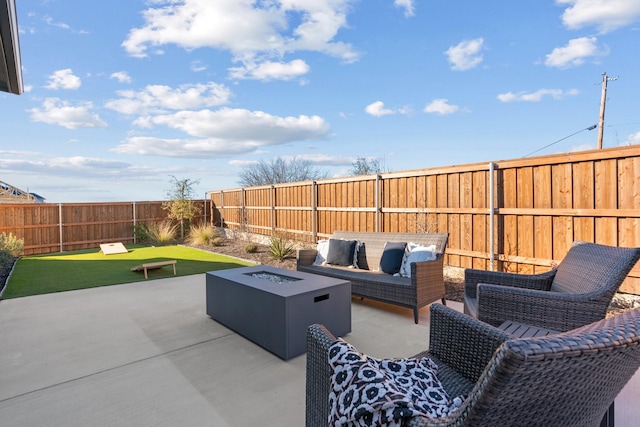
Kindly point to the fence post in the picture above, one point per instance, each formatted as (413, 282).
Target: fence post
(314, 209)
(221, 208)
(60, 224)
(377, 202)
(491, 216)
(243, 211)
(272, 202)
(133, 210)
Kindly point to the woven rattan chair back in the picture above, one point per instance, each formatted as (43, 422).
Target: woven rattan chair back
(593, 268)
(568, 379)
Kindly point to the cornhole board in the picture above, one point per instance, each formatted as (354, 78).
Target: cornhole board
(113, 248)
(154, 265)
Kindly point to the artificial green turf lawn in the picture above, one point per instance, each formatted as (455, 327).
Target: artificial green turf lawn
(66, 271)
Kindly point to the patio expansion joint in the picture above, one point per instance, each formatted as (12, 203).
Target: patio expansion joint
(115, 368)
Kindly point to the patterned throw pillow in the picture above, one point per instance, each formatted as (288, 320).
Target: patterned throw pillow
(383, 392)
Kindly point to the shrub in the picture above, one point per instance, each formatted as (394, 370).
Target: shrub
(201, 235)
(162, 233)
(141, 232)
(217, 241)
(251, 248)
(280, 248)
(11, 244)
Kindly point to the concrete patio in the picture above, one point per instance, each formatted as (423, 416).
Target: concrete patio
(146, 354)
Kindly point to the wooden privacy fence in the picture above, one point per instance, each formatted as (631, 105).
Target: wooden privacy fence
(50, 227)
(518, 215)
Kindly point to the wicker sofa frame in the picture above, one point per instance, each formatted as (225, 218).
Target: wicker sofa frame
(567, 379)
(425, 285)
(576, 293)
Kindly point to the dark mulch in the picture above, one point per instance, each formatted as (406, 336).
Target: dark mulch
(4, 273)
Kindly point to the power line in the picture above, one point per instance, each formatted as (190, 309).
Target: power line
(562, 139)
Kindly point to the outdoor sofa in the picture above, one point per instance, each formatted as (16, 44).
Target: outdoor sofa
(424, 286)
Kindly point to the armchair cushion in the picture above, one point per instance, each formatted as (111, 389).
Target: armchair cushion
(368, 391)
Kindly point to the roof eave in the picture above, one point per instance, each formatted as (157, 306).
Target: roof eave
(10, 62)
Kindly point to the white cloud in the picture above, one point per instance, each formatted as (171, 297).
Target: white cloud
(76, 167)
(574, 53)
(316, 159)
(324, 159)
(63, 79)
(252, 31)
(160, 98)
(58, 112)
(121, 76)
(243, 163)
(441, 107)
(466, 54)
(377, 109)
(605, 15)
(536, 96)
(224, 132)
(633, 139)
(49, 20)
(270, 70)
(407, 5)
(198, 66)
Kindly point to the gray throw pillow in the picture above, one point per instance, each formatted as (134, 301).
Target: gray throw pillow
(341, 252)
(392, 255)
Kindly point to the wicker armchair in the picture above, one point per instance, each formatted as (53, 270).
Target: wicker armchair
(576, 293)
(509, 382)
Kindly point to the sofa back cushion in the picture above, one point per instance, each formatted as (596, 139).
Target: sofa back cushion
(372, 244)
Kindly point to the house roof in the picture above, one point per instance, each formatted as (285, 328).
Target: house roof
(10, 63)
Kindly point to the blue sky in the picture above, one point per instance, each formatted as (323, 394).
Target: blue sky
(120, 95)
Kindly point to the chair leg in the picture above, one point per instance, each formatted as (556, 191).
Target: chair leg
(416, 314)
(444, 301)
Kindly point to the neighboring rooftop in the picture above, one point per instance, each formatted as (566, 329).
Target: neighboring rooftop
(10, 63)
(11, 194)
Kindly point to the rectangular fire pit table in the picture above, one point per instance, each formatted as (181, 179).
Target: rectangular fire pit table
(273, 307)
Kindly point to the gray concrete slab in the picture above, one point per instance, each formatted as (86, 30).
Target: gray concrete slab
(146, 354)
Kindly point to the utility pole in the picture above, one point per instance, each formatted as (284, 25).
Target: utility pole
(603, 101)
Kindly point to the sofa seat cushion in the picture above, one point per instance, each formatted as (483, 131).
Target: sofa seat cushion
(356, 275)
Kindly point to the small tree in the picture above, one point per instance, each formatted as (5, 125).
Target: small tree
(364, 166)
(180, 205)
(279, 170)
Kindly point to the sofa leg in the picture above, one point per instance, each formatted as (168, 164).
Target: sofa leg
(444, 301)
(416, 314)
